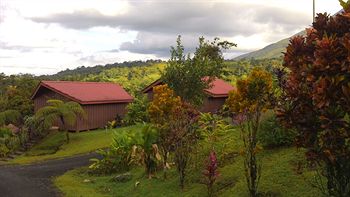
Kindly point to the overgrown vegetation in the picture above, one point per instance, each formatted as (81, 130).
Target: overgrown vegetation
(137, 111)
(272, 134)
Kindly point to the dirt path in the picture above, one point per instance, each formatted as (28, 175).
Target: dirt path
(35, 179)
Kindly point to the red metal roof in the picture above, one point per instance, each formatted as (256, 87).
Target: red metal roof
(88, 92)
(220, 88)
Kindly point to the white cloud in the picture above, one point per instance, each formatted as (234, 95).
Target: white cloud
(137, 29)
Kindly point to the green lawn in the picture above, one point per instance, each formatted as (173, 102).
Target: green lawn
(53, 146)
(279, 178)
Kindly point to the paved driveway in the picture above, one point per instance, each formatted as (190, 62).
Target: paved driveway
(35, 180)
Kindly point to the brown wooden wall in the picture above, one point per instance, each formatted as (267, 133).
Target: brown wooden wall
(150, 94)
(97, 114)
(212, 104)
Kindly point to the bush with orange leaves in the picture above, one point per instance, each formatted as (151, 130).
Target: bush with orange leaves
(251, 98)
(160, 111)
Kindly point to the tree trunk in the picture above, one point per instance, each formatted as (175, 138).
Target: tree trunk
(67, 136)
(66, 130)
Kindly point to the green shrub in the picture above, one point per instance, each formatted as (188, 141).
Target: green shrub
(23, 136)
(13, 143)
(150, 155)
(3, 150)
(8, 139)
(119, 157)
(5, 132)
(106, 165)
(137, 111)
(272, 134)
(213, 129)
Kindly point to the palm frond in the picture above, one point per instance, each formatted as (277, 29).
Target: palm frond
(55, 103)
(58, 109)
(77, 109)
(69, 117)
(47, 110)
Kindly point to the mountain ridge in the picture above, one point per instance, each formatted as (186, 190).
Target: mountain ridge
(274, 50)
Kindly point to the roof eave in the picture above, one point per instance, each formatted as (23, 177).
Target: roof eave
(106, 102)
(147, 88)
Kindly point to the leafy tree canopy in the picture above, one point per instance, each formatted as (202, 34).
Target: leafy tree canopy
(189, 76)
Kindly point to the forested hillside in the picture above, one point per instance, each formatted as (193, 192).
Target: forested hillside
(83, 71)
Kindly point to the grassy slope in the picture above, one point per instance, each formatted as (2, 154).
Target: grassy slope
(80, 143)
(278, 178)
(271, 51)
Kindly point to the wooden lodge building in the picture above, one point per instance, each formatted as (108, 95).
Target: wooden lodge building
(216, 95)
(101, 101)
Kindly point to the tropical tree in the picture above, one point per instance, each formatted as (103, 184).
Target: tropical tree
(57, 110)
(251, 98)
(317, 97)
(189, 76)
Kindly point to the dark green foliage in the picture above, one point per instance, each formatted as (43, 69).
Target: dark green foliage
(188, 76)
(50, 145)
(9, 116)
(36, 126)
(3, 150)
(9, 142)
(5, 132)
(106, 165)
(15, 93)
(137, 111)
(272, 134)
(119, 158)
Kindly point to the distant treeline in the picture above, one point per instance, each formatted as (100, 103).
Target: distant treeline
(84, 71)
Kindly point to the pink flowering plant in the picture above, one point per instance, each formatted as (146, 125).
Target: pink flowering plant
(211, 173)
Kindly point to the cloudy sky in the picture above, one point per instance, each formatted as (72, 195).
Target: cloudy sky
(46, 36)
